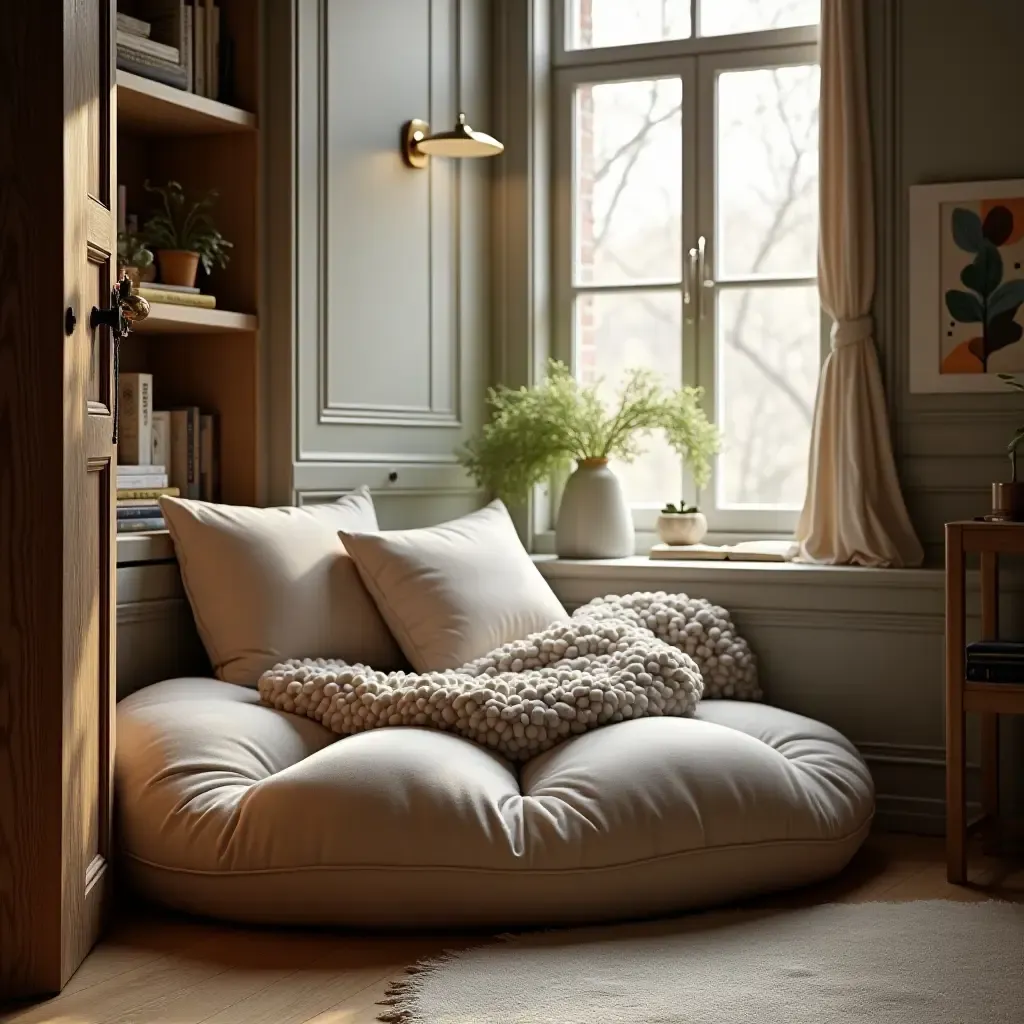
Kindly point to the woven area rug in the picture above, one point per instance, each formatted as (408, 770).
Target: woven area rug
(871, 963)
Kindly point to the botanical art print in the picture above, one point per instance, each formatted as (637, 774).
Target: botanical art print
(981, 250)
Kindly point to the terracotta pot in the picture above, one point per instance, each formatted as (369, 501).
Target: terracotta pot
(178, 267)
(682, 527)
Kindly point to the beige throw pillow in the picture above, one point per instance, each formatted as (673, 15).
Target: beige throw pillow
(453, 592)
(267, 584)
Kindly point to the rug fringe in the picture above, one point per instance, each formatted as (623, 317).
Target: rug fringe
(400, 993)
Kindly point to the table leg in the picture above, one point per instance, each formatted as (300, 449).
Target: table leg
(990, 722)
(956, 824)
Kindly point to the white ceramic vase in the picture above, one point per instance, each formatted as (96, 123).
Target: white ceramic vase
(594, 520)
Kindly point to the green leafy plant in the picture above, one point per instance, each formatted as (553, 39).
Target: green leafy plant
(989, 301)
(132, 250)
(1011, 449)
(536, 432)
(183, 224)
(682, 510)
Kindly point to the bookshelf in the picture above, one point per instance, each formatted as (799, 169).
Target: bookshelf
(204, 357)
(167, 319)
(161, 109)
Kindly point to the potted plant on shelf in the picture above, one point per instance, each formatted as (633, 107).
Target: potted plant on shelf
(537, 432)
(133, 257)
(183, 235)
(683, 525)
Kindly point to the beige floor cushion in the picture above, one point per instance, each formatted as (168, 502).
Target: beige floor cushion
(232, 809)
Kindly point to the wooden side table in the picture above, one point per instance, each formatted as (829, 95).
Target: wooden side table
(989, 700)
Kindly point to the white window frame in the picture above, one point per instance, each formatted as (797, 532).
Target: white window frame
(697, 62)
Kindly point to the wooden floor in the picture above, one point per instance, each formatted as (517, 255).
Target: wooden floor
(173, 970)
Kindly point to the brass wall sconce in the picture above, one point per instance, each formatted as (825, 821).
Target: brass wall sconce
(461, 142)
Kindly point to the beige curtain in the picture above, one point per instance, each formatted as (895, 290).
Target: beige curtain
(853, 512)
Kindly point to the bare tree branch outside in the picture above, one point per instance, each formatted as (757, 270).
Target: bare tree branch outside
(628, 224)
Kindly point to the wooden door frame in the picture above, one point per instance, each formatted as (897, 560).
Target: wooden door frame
(35, 777)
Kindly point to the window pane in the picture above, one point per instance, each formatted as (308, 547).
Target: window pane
(621, 22)
(614, 333)
(768, 348)
(767, 171)
(628, 181)
(724, 17)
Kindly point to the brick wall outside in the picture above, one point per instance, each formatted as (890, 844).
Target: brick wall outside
(586, 340)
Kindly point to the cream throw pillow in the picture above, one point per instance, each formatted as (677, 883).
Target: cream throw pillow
(453, 592)
(267, 584)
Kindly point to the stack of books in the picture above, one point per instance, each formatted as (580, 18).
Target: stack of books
(177, 42)
(176, 295)
(158, 43)
(172, 452)
(138, 498)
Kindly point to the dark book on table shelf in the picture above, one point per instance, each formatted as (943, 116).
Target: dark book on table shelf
(995, 661)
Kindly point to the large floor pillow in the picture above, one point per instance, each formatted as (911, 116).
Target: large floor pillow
(232, 809)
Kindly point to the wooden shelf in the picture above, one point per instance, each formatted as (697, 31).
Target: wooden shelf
(157, 109)
(165, 318)
(156, 546)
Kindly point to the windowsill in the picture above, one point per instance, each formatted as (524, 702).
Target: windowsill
(662, 572)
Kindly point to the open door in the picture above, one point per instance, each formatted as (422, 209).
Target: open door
(57, 479)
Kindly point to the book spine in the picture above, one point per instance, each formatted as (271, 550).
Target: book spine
(215, 56)
(139, 512)
(164, 287)
(179, 298)
(179, 465)
(147, 469)
(136, 482)
(161, 445)
(135, 410)
(199, 49)
(123, 503)
(141, 525)
(193, 453)
(207, 462)
(134, 493)
(187, 47)
(149, 47)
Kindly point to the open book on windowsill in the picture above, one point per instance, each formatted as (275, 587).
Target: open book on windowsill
(744, 551)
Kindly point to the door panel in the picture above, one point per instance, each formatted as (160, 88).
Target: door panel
(57, 239)
(89, 459)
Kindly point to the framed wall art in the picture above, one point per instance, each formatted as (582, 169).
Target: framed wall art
(966, 285)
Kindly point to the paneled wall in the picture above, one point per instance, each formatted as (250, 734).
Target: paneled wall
(946, 85)
(379, 372)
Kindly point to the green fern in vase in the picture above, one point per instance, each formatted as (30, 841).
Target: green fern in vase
(537, 432)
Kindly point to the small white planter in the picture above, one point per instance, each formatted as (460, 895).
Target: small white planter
(682, 527)
(594, 520)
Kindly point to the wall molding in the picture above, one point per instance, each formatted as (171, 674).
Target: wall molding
(446, 18)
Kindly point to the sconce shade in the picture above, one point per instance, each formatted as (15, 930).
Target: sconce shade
(462, 141)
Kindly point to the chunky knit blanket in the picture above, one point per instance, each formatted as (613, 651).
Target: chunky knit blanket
(617, 658)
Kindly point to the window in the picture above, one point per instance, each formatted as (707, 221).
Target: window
(686, 167)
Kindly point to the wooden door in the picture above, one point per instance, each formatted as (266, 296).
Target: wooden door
(57, 479)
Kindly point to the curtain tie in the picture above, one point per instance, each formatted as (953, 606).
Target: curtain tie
(849, 332)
